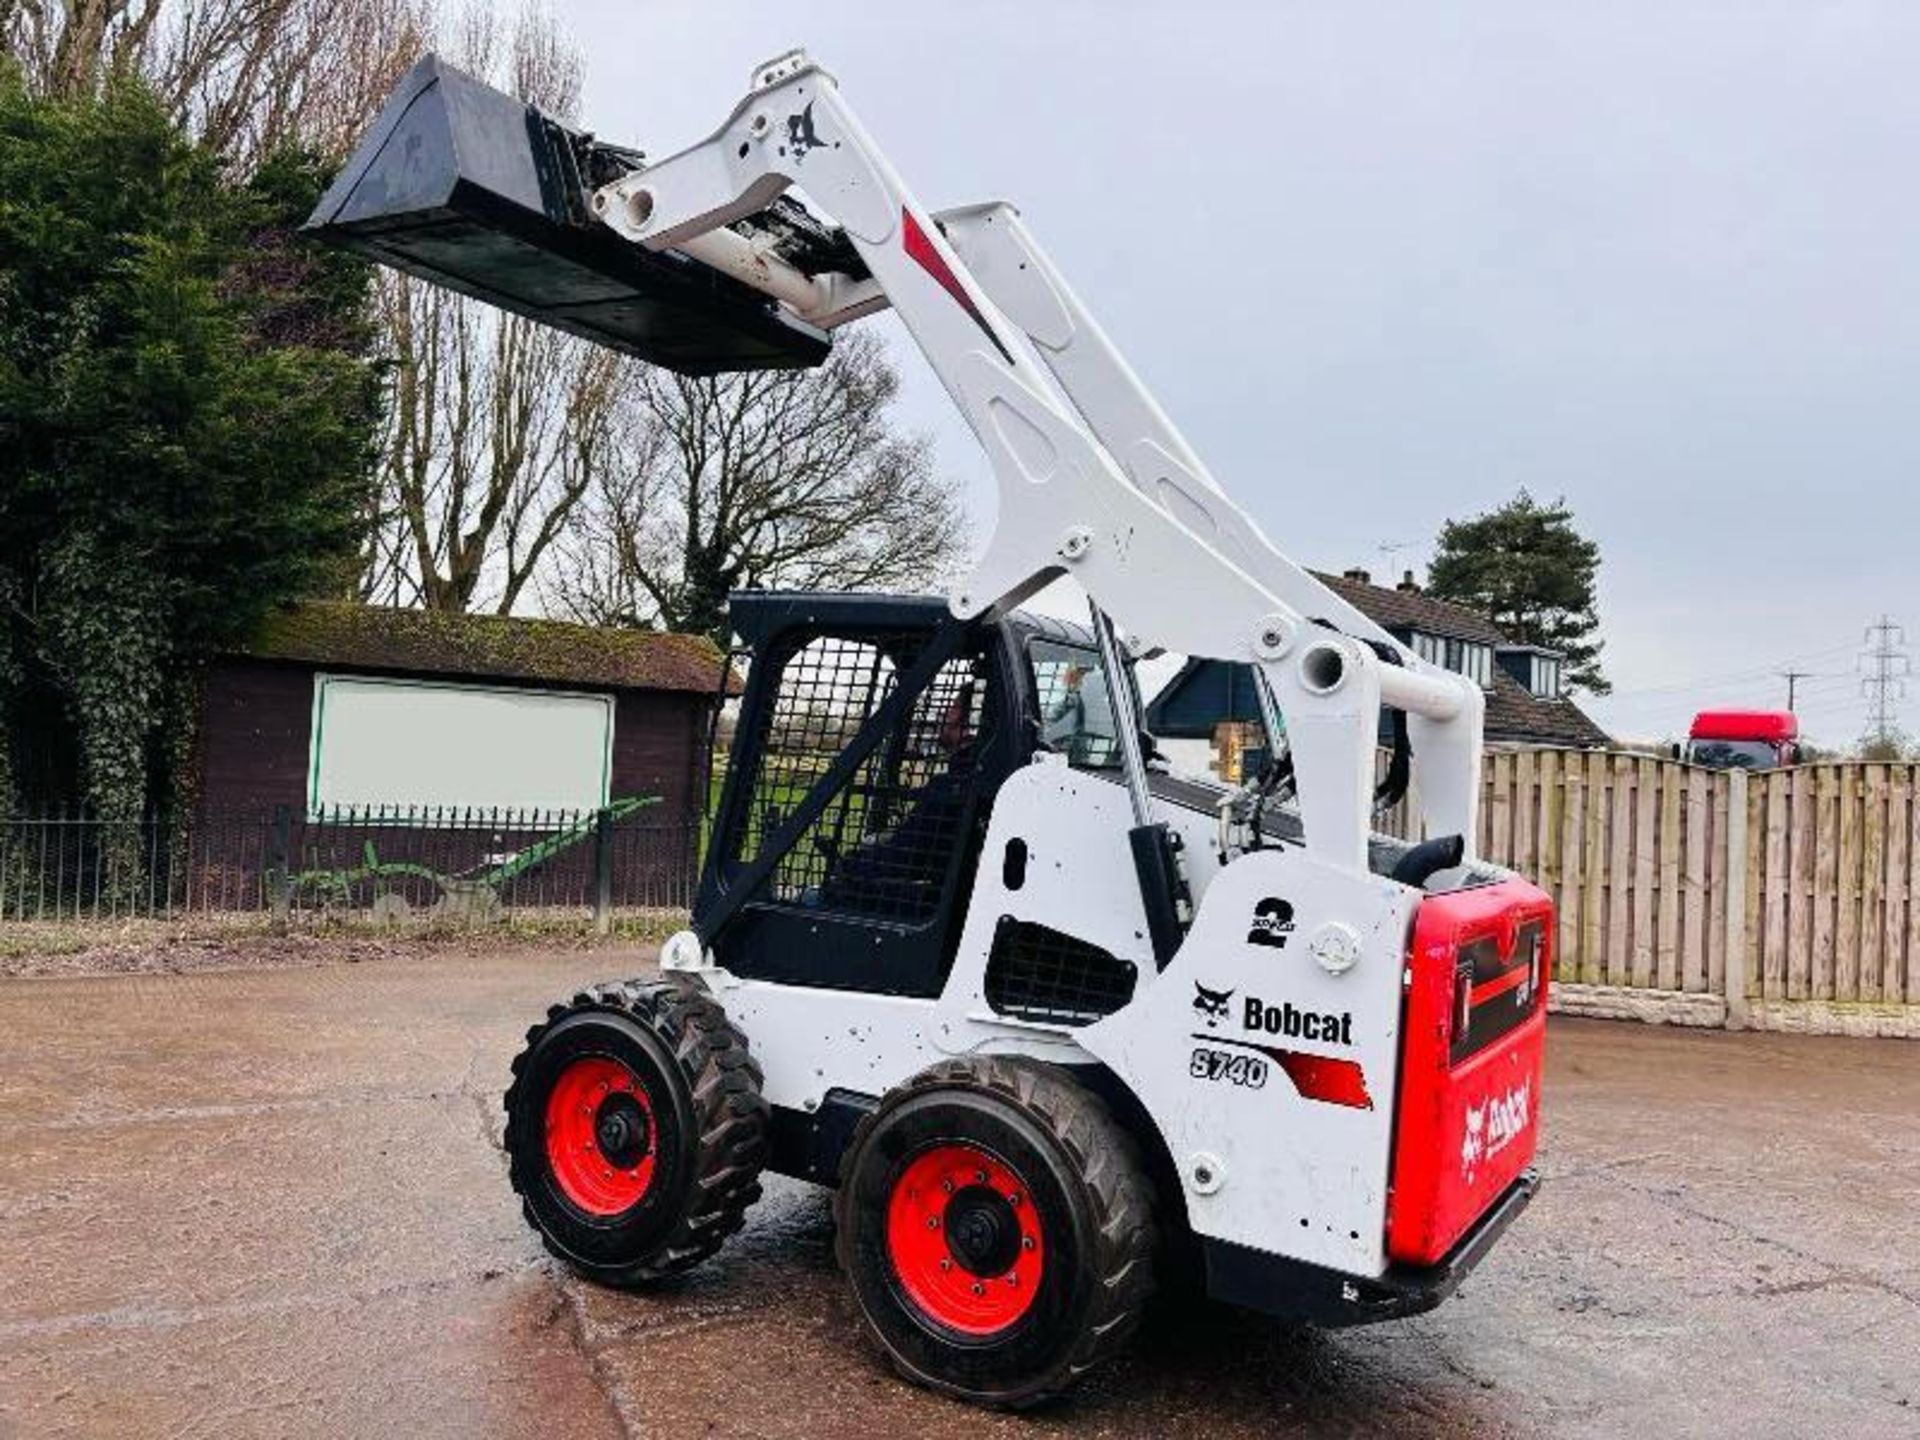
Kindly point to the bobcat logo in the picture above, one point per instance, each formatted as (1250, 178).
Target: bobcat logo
(1210, 1005)
(1473, 1144)
(1272, 923)
(801, 136)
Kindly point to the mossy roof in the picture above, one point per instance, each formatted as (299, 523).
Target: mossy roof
(434, 642)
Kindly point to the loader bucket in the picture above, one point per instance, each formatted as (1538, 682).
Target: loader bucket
(472, 189)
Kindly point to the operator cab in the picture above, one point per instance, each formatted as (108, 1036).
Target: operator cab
(872, 894)
(877, 879)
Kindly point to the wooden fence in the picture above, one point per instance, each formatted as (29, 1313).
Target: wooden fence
(1788, 898)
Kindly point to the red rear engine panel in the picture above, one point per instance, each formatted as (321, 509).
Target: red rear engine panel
(1469, 1102)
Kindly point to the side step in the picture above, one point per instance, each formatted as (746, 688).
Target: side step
(469, 188)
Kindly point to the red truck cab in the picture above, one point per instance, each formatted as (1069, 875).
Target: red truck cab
(1743, 739)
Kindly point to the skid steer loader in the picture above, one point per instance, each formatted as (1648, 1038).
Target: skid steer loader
(1047, 1016)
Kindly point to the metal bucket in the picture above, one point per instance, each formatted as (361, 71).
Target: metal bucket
(472, 189)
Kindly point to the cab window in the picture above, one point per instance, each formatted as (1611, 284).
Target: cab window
(1076, 706)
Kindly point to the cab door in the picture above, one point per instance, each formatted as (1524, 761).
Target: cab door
(870, 894)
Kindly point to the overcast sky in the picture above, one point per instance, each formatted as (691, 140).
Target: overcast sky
(1386, 264)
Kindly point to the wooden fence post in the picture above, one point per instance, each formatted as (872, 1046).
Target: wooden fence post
(1735, 968)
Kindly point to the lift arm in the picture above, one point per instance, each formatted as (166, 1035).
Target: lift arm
(1003, 255)
(1094, 481)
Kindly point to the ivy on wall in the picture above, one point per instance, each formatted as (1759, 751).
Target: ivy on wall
(187, 419)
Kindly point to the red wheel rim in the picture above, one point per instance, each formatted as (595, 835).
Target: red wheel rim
(965, 1242)
(600, 1135)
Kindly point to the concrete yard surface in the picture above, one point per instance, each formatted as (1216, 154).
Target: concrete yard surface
(272, 1203)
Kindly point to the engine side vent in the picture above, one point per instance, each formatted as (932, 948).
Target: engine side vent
(1036, 973)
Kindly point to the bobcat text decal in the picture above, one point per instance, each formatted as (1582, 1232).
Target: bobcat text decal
(1494, 1124)
(1323, 1025)
(1331, 1079)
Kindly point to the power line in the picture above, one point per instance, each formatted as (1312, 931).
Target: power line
(1758, 673)
(1832, 683)
(1759, 693)
(1887, 666)
(1793, 678)
(1838, 705)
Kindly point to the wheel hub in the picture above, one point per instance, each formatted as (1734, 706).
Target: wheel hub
(965, 1240)
(622, 1130)
(982, 1231)
(600, 1136)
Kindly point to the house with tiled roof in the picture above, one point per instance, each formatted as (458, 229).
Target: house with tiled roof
(1526, 704)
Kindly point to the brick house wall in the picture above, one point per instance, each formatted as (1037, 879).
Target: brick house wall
(256, 724)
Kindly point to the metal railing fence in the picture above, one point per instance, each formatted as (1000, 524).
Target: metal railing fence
(389, 865)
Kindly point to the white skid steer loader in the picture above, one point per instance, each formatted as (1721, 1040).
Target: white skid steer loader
(1049, 1017)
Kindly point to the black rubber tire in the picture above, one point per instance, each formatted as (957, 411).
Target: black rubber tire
(710, 1118)
(1090, 1190)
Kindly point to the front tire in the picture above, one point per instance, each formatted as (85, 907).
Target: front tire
(997, 1228)
(635, 1130)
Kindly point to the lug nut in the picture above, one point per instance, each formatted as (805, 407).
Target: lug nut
(1026, 1242)
(979, 1177)
(933, 1222)
(946, 1264)
(978, 1288)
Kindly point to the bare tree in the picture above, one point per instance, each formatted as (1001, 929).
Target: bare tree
(510, 447)
(497, 426)
(764, 478)
(243, 75)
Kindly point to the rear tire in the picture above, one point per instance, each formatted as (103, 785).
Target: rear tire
(996, 1225)
(635, 1130)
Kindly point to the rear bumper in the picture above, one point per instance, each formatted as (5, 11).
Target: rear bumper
(1295, 1290)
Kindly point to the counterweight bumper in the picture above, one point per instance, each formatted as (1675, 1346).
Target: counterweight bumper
(1294, 1290)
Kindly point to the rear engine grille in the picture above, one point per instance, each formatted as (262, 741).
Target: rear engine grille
(1494, 993)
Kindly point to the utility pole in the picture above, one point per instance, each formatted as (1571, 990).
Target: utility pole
(1793, 677)
(1887, 666)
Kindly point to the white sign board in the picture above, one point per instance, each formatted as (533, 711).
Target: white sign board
(381, 745)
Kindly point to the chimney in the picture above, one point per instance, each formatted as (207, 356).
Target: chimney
(1357, 575)
(1408, 585)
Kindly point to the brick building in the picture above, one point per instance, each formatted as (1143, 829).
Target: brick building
(339, 707)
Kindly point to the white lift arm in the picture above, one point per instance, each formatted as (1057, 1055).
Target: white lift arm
(1094, 480)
